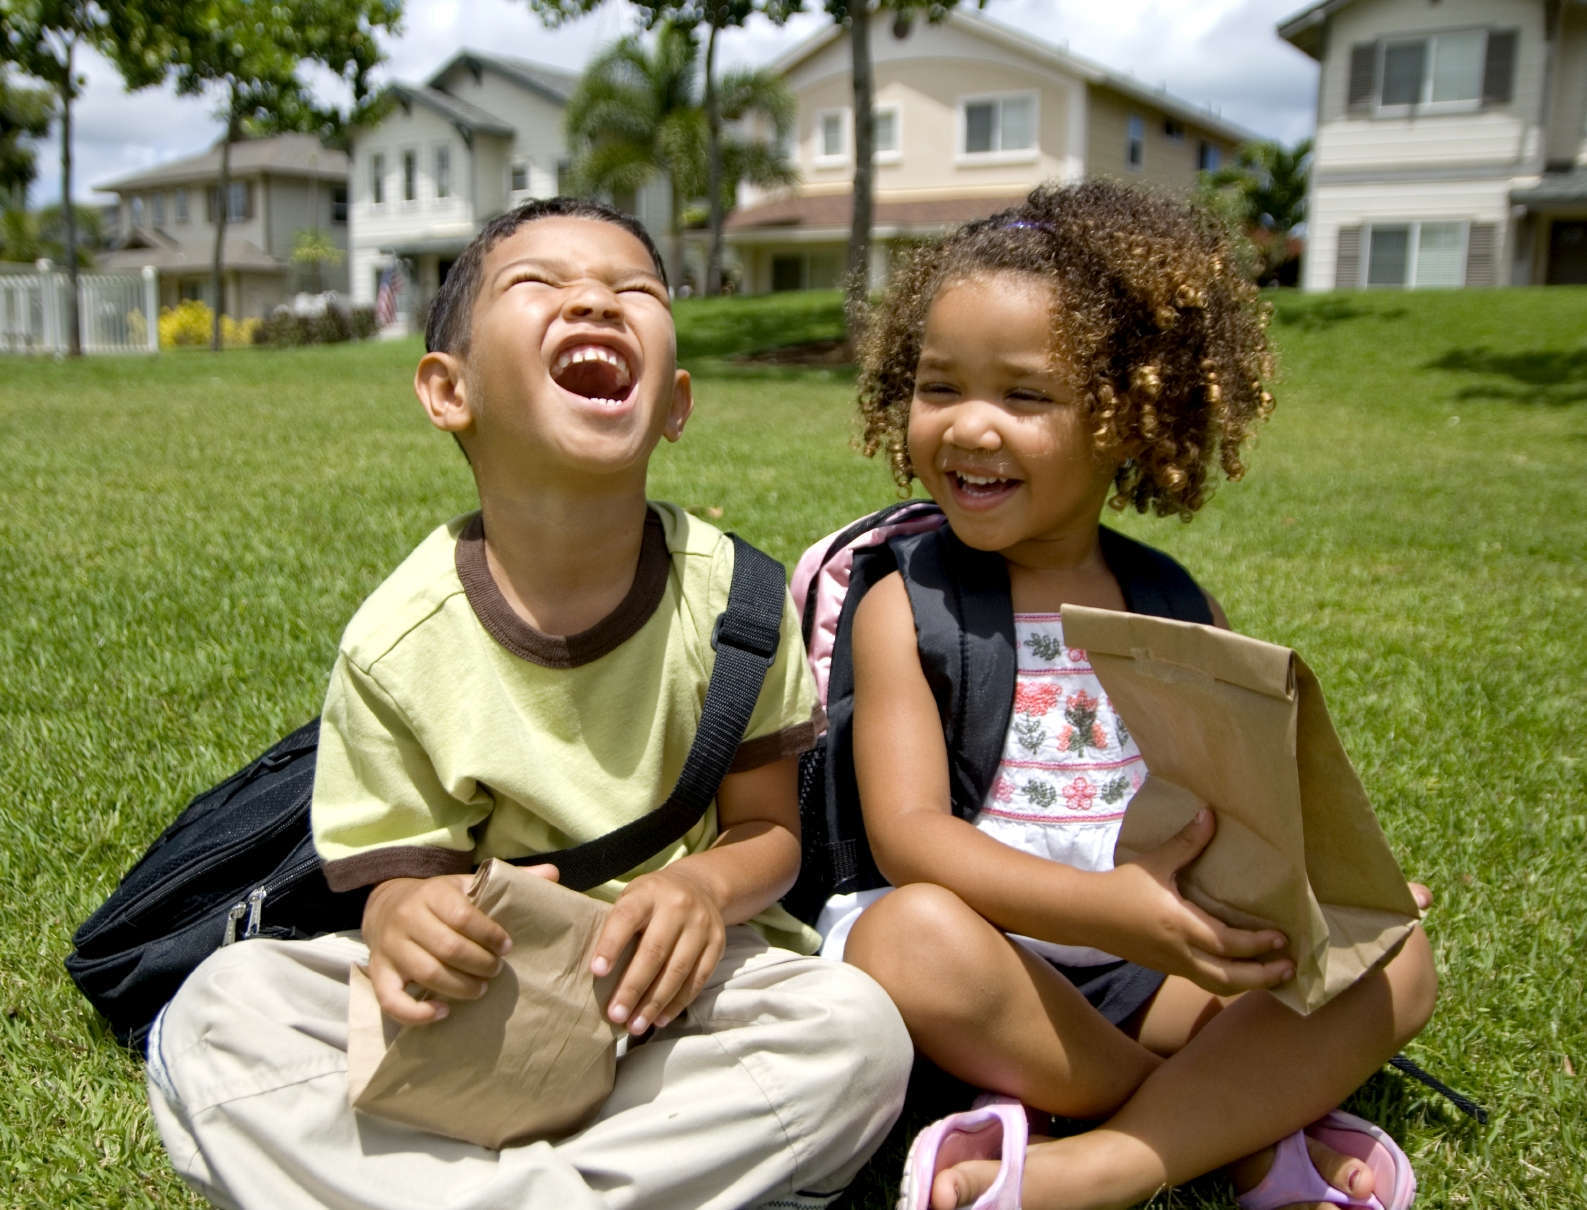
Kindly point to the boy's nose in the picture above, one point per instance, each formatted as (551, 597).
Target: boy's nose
(591, 300)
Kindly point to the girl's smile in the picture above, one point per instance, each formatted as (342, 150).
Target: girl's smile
(995, 432)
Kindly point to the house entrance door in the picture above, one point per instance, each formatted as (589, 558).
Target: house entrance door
(1567, 253)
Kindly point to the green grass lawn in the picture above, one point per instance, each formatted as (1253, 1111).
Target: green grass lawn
(184, 538)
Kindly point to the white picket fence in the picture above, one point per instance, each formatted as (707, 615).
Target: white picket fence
(116, 312)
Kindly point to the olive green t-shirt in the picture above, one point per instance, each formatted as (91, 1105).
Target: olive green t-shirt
(453, 731)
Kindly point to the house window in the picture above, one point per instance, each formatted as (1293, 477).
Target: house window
(999, 124)
(1173, 130)
(832, 142)
(1416, 255)
(1438, 70)
(443, 172)
(157, 207)
(884, 133)
(1135, 142)
(339, 205)
(565, 177)
(410, 175)
(518, 176)
(377, 179)
(239, 201)
(180, 199)
(137, 212)
(1208, 157)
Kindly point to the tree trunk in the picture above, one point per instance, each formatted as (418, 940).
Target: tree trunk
(222, 204)
(857, 278)
(74, 325)
(713, 123)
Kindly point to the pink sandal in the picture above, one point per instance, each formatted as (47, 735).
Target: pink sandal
(1294, 1180)
(994, 1129)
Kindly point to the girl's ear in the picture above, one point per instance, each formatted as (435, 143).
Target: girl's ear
(442, 388)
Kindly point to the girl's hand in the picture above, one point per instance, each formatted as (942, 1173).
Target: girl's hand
(680, 934)
(1160, 929)
(427, 932)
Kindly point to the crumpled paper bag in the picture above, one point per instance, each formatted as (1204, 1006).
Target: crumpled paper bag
(533, 1058)
(1240, 725)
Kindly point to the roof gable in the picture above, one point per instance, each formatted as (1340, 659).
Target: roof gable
(283, 155)
(549, 83)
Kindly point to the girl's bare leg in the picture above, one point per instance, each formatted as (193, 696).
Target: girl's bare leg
(1238, 1080)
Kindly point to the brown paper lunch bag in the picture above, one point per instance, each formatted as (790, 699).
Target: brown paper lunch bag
(533, 1058)
(1240, 725)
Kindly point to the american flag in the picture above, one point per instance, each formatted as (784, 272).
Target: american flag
(386, 295)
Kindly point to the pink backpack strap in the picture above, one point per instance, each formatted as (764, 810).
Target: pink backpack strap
(821, 577)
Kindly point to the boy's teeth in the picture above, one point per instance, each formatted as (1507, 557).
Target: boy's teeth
(582, 353)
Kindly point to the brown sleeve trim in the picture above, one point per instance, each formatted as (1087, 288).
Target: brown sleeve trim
(396, 861)
(791, 741)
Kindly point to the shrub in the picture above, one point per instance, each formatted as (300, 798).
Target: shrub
(191, 323)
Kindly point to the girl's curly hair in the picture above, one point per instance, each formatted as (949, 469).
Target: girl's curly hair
(1163, 332)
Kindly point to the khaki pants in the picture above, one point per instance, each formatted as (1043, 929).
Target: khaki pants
(771, 1089)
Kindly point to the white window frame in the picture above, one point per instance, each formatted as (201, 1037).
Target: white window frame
(998, 154)
(157, 210)
(442, 154)
(410, 169)
(1207, 150)
(820, 156)
(377, 178)
(1413, 228)
(527, 165)
(1134, 143)
(1424, 102)
(179, 206)
(894, 153)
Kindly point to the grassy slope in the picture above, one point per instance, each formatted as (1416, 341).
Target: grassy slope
(184, 538)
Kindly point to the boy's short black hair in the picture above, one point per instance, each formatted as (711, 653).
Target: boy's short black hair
(447, 329)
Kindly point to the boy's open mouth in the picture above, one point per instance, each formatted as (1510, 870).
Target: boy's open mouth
(596, 372)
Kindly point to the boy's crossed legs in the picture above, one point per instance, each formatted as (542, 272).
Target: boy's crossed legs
(1207, 1082)
(778, 1080)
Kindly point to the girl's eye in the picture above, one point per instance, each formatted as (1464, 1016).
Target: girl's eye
(1027, 396)
(930, 390)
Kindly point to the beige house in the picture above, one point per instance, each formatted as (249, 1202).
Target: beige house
(482, 134)
(278, 187)
(1451, 142)
(970, 115)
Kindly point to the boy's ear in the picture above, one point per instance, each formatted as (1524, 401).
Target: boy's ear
(682, 406)
(443, 390)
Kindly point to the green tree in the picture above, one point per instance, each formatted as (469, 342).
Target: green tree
(740, 94)
(223, 49)
(637, 113)
(25, 115)
(1264, 192)
(42, 38)
(314, 248)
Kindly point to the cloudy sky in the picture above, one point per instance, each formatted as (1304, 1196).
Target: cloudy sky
(1223, 54)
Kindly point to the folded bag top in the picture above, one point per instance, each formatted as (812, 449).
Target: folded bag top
(533, 1058)
(1239, 725)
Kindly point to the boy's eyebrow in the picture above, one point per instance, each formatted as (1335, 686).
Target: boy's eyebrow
(566, 268)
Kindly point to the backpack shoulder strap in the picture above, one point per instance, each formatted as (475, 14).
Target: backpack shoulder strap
(746, 640)
(1153, 582)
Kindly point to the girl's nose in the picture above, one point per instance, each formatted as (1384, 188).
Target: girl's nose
(973, 427)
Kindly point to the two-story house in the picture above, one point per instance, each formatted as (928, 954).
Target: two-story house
(970, 115)
(279, 187)
(483, 134)
(1451, 142)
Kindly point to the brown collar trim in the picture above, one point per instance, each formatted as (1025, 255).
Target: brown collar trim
(563, 651)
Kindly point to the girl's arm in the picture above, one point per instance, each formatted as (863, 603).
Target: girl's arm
(901, 764)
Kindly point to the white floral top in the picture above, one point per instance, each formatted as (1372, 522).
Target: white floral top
(1069, 766)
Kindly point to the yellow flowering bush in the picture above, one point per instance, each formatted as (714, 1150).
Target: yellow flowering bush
(190, 323)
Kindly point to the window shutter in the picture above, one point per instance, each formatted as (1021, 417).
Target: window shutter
(1498, 68)
(1481, 247)
(1347, 263)
(1363, 74)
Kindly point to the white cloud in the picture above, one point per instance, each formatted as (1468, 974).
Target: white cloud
(1223, 54)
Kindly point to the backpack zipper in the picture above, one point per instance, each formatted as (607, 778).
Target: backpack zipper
(253, 907)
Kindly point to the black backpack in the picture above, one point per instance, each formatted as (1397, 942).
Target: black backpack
(239, 861)
(966, 641)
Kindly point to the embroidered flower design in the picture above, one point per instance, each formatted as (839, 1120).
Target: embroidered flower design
(1041, 793)
(1002, 790)
(1083, 731)
(1121, 731)
(1028, 732)
(1045, 646)
(1035, 698)
(1077, 655)
(1080, 793)
(1114, 789)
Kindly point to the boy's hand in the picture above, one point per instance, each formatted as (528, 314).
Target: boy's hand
(1162, 930)
(426, 932)
(680, 934)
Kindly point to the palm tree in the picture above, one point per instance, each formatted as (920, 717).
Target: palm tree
(1264, 189)
(637, 113)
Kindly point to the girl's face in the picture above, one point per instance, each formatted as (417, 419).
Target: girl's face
(996, 434)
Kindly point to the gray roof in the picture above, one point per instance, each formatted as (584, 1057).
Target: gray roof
(1556, 188)
(300, 155)
(150, 246)
(461, 113)
(550, 82)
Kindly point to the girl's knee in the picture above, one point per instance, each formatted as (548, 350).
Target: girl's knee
(897, 932)
(1413, 979)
